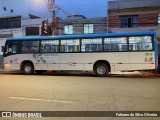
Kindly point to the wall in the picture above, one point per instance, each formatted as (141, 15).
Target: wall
(32, 23)
(147, 13)
(147, 18)
(100, 24)
(124, 4)
(7, 33)
(18, 32)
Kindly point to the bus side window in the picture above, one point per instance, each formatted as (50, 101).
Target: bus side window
(140, 43)
(49, 46)
(92, 45)
(70, 45)
(115, 44)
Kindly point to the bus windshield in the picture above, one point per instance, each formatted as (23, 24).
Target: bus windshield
(11, 48)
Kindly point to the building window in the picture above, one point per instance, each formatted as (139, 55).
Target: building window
(32, 31)
(88, 28)
(68, 29)
(159, 19)
(129, 21)
(7, 23)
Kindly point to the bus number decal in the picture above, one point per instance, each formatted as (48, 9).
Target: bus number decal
(148, 57)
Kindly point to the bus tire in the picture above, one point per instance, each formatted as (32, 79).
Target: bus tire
(28, 69)
(101, 70)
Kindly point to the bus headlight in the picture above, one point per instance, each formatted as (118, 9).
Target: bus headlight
(7, 65)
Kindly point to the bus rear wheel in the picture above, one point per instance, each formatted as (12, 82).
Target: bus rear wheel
(28, 69)
(101, 70)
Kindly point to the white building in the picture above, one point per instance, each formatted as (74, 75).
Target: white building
(21, 18)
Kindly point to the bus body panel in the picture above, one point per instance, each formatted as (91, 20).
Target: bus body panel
(2, 62)
(83, 61)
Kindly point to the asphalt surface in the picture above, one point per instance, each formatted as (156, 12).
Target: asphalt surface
(79, 92)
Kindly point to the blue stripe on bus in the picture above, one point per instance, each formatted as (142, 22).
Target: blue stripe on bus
(81, 36)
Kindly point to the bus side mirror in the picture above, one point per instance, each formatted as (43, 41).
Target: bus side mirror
(4, 49)
(4, 52)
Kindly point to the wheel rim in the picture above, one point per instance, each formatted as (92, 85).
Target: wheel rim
(101, 70)
(27, 69)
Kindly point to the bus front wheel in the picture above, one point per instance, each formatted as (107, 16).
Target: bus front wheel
(101, 69)
(28, 69)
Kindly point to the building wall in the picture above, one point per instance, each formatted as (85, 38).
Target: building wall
(147, 12)
(125, 4)
(113, 21)
(144, 20)
(100, 24)
(17, 32)
(23, 9)
(148, 20)
(7, 33)
(33, 23)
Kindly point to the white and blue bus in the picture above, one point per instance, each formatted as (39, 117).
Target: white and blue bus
(101, 53)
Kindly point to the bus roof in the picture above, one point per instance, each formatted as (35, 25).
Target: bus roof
(123, 34)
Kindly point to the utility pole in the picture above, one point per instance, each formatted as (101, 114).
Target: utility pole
(51, 7)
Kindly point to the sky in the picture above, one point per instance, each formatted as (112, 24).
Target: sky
(88, 8)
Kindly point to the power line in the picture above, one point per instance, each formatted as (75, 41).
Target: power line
(47, 7)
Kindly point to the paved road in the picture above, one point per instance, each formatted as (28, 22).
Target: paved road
(79, 93)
